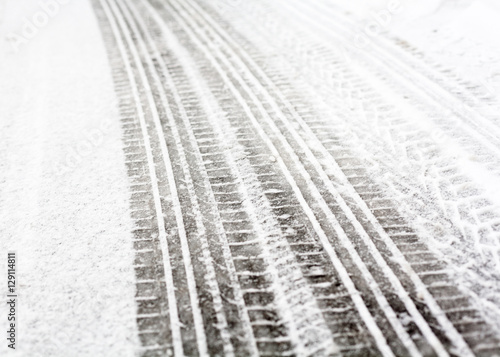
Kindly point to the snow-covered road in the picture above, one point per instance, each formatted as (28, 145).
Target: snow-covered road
(273, 178)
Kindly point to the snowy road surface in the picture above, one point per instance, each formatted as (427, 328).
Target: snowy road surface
(269, 178)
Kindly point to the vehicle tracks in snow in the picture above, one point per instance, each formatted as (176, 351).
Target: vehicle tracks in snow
(257, 231)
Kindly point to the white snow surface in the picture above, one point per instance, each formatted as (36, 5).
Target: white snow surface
(463, 36)
(63, 188)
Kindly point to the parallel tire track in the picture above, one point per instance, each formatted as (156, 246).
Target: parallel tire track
(255, 234)
(474, 219)
(397, 229)
(477, 229)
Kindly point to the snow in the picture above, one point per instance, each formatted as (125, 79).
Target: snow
(462, 35)
(410, 160)
(64, 195)
(64, 187)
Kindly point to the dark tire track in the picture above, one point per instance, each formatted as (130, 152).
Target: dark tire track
(257, 232)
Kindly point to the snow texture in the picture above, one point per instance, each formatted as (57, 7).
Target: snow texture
(64, 195)
(64, 188)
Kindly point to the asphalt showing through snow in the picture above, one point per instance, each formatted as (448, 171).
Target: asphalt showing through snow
(259, 228)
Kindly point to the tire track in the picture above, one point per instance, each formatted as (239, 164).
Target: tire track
(206, 182)
(468, 93)
(332, 140)
(211, 274)
(435, 306)
(177, 207)
(176, 339)
(381, 299)
(379, 230)
(146, 244)
(479, 224)
(428, 87)
(264, 228)
(272, 237)
(310, 315)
